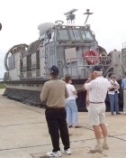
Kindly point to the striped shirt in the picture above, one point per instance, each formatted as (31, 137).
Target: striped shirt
(97, 89)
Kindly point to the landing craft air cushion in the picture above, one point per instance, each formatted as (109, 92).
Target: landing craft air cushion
(74, 49)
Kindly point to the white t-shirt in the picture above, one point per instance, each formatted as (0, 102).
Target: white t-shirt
(70, 89)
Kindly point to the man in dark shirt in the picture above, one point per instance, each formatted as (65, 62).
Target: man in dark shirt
(54, 92)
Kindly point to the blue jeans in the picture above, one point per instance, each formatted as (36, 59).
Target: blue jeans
(114, 104)
(72, 112)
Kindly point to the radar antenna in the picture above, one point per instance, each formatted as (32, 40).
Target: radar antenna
(70, 16)
(87, 13)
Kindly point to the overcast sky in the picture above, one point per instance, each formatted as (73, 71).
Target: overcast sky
(20, 19)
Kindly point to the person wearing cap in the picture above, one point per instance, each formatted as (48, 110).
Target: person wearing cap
(54, 93)
(97, 87)
(71, 106)
(113, 94)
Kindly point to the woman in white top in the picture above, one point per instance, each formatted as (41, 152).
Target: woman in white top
(113, 94)
(71, 106)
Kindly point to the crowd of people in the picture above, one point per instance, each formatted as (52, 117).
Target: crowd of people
(61, 112)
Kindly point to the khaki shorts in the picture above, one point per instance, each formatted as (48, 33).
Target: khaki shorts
(96, 114)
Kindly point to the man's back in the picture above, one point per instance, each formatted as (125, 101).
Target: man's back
(54, 91)
(98, 89)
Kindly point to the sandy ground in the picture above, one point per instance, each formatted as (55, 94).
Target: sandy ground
(24, 133)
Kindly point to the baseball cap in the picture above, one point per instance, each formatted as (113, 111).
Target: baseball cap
(54, 70)
(97, 68)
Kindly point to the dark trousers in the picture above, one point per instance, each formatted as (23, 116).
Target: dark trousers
(56, 120)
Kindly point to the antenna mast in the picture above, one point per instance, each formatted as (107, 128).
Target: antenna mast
(70, 16)
(87, 13)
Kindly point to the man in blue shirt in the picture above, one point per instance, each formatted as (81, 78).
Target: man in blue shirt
(123, 85)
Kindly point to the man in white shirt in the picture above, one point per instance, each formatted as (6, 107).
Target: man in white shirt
(97, 89)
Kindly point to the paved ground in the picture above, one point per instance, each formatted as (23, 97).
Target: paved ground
(24, 134)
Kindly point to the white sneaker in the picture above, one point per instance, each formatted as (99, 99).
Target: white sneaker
(68, 151)
(54, 154)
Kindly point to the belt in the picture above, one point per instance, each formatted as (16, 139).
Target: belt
(96, 102)
(55, 108)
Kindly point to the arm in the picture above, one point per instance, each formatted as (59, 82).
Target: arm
(74, 90)
(89, 86)
(116, 85)
(84, 87)
(91, 77)
(87, 99)
(111, 86)
(44, 93)
(66, 92)
(122, 84)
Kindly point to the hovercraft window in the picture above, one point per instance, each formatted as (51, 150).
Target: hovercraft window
(86, 35)
(70, 55)
(63, 34)
(75, 34)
